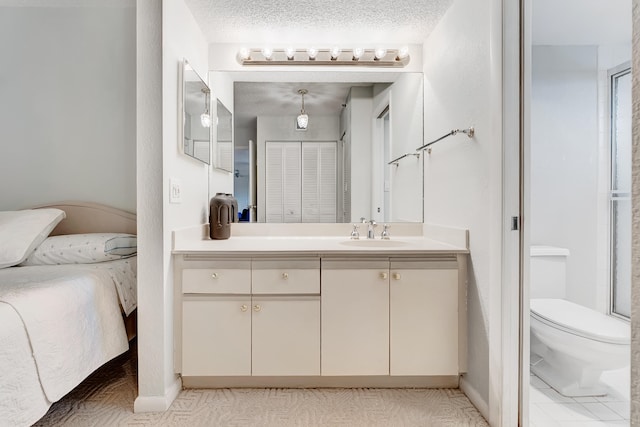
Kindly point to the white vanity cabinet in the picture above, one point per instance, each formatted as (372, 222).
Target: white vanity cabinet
(216, 318)
(286, 317)
(394, 317)
(355, 317)
(347, 319)
(251, 317)
(423, 317)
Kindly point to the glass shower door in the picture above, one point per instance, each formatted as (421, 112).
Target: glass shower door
(620, 197)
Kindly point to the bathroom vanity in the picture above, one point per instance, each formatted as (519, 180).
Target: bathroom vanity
(270, 307)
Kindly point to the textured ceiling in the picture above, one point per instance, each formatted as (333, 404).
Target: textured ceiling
(317, 21)
(275, 99)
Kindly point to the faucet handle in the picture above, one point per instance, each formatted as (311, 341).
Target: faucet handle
(363, 220)
(385, 232)
(355, 234)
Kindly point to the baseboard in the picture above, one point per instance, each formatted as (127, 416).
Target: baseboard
(158, 403)
(473, 395)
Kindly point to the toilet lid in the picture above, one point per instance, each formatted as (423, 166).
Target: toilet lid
(579, 320)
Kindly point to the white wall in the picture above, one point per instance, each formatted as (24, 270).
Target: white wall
(68, 105)
(565, 161)
(175, 28)
(281, 128)
(462, 176)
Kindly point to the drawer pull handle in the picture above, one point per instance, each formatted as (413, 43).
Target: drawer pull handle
(397, 276)
(257, 307)
(214, 276)
(243, 308)
(285, 276)
(383, 275)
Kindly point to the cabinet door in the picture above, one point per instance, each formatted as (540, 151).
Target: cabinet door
(286, 335)
(355, 318)
(424, 321)
(216, 336)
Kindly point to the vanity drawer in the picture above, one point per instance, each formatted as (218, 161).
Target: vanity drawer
(217, 280)
(286, 276)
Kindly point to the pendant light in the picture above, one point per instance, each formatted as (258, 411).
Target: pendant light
(302, 121)
(205, 118)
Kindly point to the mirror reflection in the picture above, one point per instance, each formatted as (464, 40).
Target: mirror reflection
(224, 139)
(196, 126)
(337, 168)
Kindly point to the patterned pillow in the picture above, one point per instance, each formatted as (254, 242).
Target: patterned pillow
(83, 249)
(22, 231)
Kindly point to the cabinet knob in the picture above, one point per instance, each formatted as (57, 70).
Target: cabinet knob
(257, 307)
(383, 275)
(397, 276)
(214, 276)
(285, 276)
(244, 308)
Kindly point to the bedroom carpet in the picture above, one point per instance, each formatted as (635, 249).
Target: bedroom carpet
(106, 399)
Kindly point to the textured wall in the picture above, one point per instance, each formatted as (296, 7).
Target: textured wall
(635, 285)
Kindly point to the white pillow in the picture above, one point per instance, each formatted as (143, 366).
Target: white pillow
(83, 249)
(22, 231)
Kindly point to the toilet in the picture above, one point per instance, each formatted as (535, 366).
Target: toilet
(571, 345)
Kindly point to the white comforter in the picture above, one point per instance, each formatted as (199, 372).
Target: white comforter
(65, 321)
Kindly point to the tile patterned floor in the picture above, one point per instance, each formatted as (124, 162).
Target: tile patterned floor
(548, 408)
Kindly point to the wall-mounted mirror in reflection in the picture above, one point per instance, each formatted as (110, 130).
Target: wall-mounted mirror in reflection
(196, 115)
(337, 169)
(224, 139)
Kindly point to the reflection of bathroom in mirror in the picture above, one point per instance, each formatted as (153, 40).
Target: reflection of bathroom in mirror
(224, 139)
(338, 169)
(196, 115)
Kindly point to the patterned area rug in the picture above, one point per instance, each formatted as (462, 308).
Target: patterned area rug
(106, 399)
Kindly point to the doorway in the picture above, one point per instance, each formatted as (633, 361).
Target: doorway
(576, 174)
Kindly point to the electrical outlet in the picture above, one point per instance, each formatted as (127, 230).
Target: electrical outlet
(175, 191)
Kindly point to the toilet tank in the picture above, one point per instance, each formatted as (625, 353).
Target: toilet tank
(548, 272)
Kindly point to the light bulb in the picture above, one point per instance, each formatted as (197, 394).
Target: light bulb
(244, 54)
(312, 52)
(380, 53)
(267, 52)
(205, 119)
(403, 52)
(335, 52)
(290, 52)
(357, 53)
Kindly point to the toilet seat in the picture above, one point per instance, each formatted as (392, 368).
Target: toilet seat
(578, 320)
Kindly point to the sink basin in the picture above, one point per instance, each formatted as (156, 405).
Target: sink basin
(371, 243)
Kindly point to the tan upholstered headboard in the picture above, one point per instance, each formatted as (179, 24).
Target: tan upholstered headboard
(88, 217)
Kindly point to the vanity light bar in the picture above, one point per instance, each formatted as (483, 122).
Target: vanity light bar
(360, 57)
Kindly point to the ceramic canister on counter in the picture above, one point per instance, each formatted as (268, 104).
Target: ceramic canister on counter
(223, 210)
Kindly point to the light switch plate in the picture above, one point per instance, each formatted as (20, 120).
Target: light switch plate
(175, 191)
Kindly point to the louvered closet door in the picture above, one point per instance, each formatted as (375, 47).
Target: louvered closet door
(319, 181)
(283, 182)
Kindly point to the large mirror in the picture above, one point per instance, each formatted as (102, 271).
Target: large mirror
(224, 139)
(196, 115)
(341, 167)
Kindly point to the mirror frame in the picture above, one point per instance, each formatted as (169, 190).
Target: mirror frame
(187, 145)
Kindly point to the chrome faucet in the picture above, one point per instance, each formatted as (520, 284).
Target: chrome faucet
(370, 229)
(385, 233)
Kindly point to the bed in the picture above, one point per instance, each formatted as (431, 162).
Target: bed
(64, 311)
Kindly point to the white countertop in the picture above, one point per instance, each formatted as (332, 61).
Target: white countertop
(196, 240)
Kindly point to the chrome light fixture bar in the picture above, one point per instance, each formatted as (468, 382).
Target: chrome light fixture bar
(332, 56)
